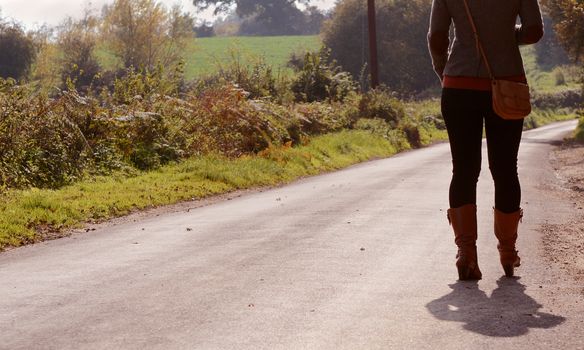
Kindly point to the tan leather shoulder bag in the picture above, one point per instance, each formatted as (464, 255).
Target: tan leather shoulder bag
(511, 100)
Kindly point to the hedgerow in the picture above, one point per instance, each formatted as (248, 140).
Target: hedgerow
(145, 119)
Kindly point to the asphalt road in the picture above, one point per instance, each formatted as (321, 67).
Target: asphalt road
(362, 258)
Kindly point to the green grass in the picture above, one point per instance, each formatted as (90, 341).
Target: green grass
(26, 214)
(431, 108)
(541, 117)
(204, 55)
(548, 80)
(428, 108)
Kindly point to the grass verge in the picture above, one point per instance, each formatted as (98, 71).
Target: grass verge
(33, 215)
(541, 117)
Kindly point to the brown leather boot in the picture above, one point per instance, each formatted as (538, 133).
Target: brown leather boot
(464, 224)
(506, 231)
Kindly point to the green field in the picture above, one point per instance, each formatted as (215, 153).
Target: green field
(205, 55)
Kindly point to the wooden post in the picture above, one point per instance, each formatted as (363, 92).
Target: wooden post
(372, 44)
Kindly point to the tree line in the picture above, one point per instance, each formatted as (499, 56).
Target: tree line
(138, 33)
(262, 17)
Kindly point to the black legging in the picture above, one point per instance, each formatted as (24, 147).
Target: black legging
(464, 111)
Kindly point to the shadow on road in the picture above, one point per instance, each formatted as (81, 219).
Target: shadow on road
(508, 312)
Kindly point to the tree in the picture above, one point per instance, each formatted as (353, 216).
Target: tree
(227, 26)
(243, 8)
(265, 17)
(17, 51)
(273, 17)
(318, 79)
(314, 20)
(549, 50)
(568, 17)
(46, 68)
(142, 33)
(402, 25)
(204, 30)
(77, 41)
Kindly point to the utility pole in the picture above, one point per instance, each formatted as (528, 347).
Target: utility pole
(372, 44)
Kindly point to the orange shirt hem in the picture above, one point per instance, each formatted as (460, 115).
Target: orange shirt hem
(475, 83)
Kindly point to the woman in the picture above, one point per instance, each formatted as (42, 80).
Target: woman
(467, 102)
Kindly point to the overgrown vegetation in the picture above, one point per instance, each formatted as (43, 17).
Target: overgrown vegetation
(319, 79)
(148, 120)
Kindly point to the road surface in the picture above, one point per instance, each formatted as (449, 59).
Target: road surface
(362, 258)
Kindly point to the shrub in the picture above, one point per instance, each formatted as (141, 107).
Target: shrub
(133, 85)
(41, 143)
(51, 142)
(145, 140)
(380, 103)
(572, 98)
(77, 41)
(380, 127)
(320, 118)
(150, 118)
(318, 78)
(257, 77)
(17, 51)
(412, 131)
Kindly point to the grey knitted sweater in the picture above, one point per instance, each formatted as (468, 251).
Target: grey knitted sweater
(500, 35)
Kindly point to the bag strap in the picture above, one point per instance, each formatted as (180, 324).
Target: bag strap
(477, 39)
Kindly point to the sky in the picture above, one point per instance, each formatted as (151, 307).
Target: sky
(34, 13)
